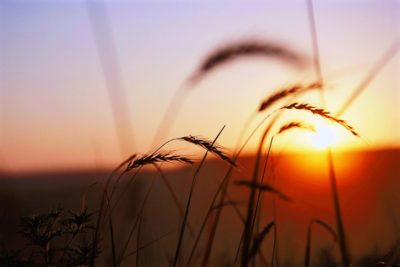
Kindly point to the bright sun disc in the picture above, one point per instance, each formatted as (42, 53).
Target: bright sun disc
(324, 135)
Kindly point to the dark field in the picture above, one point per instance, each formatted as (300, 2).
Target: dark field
(368, 185)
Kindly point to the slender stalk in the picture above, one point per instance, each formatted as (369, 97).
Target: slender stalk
(314, 37)
(125, 189)
(307, 260)
(186, 215)
(130, 234)
(102, 209)
(260, 193)
(250, 211)
(274, 254)
(114, 258)
(339, 222)
(376, 68)
(248, 231)
(173, 196)
(238, 250)
(210, 210)
(214, 226)
(145, 246)
(112, 74)
(138, 238)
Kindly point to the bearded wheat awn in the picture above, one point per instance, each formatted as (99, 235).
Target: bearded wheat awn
(156, 158)
(321, 112)
(208, 145)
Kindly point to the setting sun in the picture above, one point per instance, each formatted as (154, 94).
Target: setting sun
(325, 135)
(199, 133)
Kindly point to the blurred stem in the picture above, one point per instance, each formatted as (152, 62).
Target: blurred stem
(339, 223)
(256, 219)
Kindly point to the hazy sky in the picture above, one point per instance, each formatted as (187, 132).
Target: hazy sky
(55, 109)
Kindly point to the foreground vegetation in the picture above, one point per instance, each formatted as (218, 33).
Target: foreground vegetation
(66, 238)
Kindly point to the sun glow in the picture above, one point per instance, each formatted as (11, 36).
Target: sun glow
(325, 135)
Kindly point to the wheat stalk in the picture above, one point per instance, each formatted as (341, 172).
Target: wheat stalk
(156, 158)
(321, 112)
(208, 145)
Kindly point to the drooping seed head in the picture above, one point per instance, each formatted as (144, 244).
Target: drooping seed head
(323, 113)
(208, 145)
(156, 158)
(242, 49)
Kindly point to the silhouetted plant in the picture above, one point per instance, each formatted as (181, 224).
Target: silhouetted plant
(53, 239)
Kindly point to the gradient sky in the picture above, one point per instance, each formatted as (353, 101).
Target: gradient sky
(55, 112)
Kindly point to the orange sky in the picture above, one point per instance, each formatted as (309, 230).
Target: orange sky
(55, 112)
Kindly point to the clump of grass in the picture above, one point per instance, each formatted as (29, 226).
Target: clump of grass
(208, 145)
(241, 49)
(53, 239)
(285, 92)
(323, 113)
